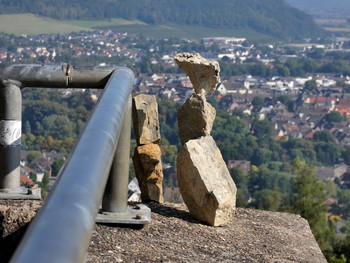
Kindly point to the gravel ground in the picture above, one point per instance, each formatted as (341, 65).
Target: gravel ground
(174, 236)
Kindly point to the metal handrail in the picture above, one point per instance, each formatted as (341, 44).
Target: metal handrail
(62, 230)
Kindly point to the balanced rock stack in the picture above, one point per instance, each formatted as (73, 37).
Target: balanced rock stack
(147, 154)
(204, 180)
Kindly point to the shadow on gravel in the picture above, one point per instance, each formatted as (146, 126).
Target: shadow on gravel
(167, 211)
(9, 244)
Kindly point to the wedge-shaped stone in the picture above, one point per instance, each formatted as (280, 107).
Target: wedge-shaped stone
(149, 173)
(195, 118)
(204, 74)
(205, 182)
(145, 119)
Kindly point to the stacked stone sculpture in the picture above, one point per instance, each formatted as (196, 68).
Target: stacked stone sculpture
(204, 180)
(147, 154)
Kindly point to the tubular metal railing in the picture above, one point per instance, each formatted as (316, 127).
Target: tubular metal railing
(62, 230)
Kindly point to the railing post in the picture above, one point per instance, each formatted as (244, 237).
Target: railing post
(115, 198)
(10, 136)
(115, 208)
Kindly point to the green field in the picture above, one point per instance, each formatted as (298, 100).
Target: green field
(29, 24)
(167, 31)
(102, 23)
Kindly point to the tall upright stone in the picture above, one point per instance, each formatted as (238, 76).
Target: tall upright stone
(145, 119)
(204, 180)
(147, 155)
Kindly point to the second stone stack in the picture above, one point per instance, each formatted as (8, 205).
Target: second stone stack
(147, 155)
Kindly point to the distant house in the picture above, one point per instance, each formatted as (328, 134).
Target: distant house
(54, 156)
(26, 171)
(41, 167)
(241, 164)
(134, 192)
(330, 173)
(221, 89)
(26, 181)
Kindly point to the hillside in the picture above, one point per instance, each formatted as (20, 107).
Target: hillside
(271, 17)
(327, 6)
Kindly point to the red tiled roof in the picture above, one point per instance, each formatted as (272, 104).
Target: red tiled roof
(26, 180)
(310, 135)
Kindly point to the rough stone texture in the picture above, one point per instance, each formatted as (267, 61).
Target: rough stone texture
(253, 236)
(204, 74)
(205, 182)
(145, 119)
(195, 118)
(148, 168)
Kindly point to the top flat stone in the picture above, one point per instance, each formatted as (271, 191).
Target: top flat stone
(204, 74)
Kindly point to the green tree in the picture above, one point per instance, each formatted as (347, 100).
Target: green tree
(310, 84)
(346, 154)
(284, 99)
(341, 250)
(258, 102)
(28, 141)
(323, 136)
(58, 126)
(334, 116)
(262, 130)
(241, 181)
(343, 197)
(309, 202)
(44, 184)
(33, 177)
(261, 156)
(169, 153)
(33, 155)
(28, 129)
(267, 199)
(327, 153)
(56, 167)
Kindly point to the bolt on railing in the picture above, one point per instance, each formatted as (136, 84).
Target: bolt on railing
(62, 229)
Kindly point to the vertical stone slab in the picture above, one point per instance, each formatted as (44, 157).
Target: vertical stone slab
(145, 119)
(205, 182)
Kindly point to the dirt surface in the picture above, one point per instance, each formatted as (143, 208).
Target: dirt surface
(174, 236)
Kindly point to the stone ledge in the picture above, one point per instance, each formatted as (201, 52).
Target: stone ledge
(174, 236)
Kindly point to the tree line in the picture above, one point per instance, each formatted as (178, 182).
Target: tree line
(271, 17)
(295, 67)
(47, 112)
